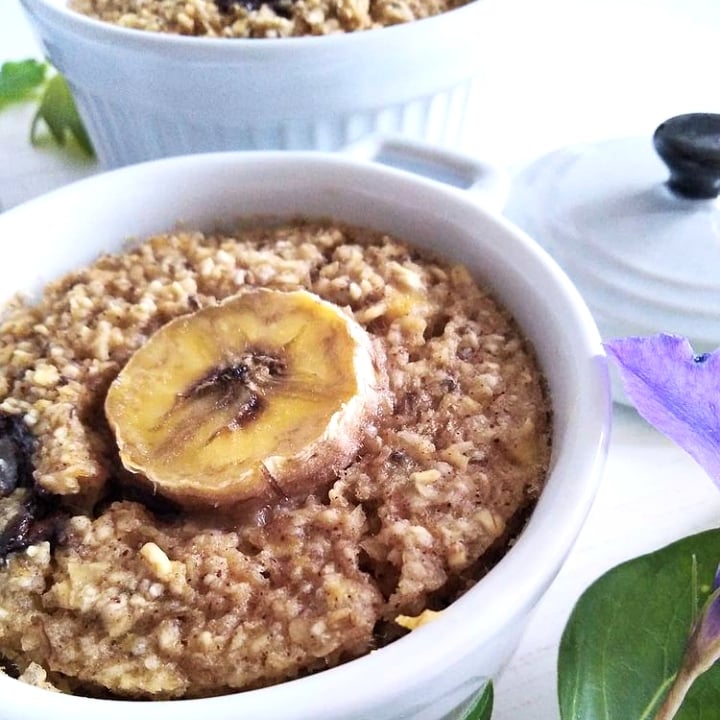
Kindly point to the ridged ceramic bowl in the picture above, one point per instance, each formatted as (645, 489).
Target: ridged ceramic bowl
(146, 95)
(432, 673)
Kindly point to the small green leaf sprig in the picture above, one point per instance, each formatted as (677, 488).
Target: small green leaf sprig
(33, 81)
(482, 706)
(20, 81)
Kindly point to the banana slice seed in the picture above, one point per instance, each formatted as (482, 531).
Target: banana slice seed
(266, 393)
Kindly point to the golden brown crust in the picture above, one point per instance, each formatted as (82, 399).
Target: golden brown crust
(235, 602)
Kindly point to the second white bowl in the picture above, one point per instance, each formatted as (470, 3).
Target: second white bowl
(145, 95)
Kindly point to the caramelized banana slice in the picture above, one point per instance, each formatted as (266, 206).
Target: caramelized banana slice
(267, 392)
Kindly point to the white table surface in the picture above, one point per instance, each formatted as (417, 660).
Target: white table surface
(557, 72)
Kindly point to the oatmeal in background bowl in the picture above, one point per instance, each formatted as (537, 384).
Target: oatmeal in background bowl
(156, 78)
(260, 19)
(260, 465)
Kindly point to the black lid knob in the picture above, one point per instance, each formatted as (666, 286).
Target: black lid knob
(690, 147)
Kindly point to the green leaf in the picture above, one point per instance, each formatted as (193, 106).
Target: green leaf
(20, 80)
(481, 708)
(59, 113)
(625, 638)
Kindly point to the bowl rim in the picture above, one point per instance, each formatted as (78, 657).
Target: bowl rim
(556, 519)
(106, 32)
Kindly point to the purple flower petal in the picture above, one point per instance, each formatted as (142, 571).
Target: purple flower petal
(712, 615)
(675, 390)
(711, 622)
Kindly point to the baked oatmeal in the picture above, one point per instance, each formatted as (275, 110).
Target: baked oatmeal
(260, 18)
(113, 588)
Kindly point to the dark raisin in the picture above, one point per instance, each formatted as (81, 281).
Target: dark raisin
(283, 8)
(280, 7)
(449, 384)
(9, 667)
(17, 445)
(39, 519)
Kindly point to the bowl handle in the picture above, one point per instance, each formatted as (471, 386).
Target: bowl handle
(488, 183)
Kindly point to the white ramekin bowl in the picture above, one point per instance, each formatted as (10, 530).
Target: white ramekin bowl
(434, 671)
(146, 95)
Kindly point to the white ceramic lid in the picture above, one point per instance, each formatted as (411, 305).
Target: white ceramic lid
(642, 245)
